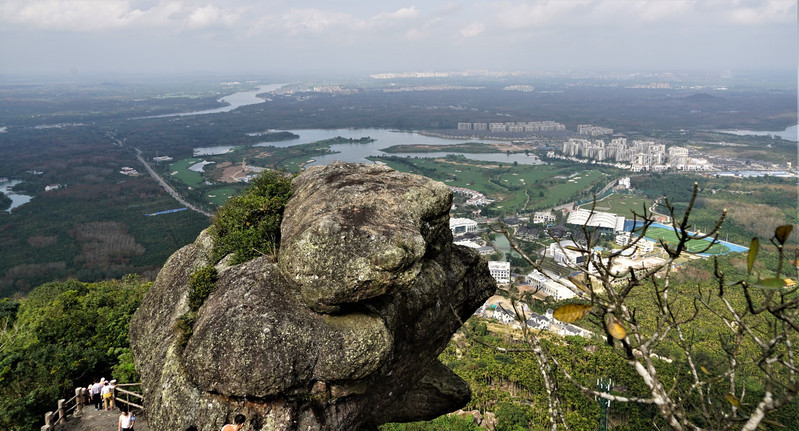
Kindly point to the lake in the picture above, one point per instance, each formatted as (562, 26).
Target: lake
(351, 152)
(383, 138)
(17, 200)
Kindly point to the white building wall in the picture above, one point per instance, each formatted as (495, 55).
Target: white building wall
(500, 271)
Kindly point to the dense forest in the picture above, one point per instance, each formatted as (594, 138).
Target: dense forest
(63, 335)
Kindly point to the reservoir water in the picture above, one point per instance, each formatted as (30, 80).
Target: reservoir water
(383, 138)
(789, 134)
(235, 100)
(16, 198)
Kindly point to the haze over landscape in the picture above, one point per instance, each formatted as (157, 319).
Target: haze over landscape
(346, 215)
(116, 37)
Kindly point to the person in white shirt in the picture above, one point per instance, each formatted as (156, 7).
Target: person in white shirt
(96, 400)
(106, 394)
(126, 420)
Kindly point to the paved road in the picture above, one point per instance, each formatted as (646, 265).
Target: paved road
(168, 188)
(100, 420)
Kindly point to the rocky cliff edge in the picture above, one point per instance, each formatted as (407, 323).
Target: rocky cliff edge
(342, 331)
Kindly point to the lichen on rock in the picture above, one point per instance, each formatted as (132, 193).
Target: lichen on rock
(342, 331)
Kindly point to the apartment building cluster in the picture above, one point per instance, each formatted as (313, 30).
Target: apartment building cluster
(641, 155)
(590, 130)
(324, 89)
(528, 126)
(653, 85)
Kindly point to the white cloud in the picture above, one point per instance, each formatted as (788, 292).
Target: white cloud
(314, 20)
(70, 15)
(414, 34)
(517, 16)
(473, 29)
(399, 14)
(770, 12)
(210, 16)
(655, 11)
(448, 9)
(86, 15)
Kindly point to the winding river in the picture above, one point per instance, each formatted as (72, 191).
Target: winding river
(234, 101)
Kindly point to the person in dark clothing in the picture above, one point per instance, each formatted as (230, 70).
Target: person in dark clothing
(97, 387)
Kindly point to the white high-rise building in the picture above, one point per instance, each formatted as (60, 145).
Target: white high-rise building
(500, 271)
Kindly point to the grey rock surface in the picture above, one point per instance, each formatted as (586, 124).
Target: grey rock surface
(343, 330)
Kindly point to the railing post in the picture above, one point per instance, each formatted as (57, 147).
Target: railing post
(80, 399)
(48, 420)
(62, 411)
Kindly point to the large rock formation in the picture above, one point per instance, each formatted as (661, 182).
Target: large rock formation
(342, 331)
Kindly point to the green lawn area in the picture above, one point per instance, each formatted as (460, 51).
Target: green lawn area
(507, 184)
(567, 188)
(621, 204)
(466, 173)
(218, 196)
(545, 190)
(190, 178)
(697, 245)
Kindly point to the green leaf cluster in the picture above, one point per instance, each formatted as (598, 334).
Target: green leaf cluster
(64, 335)
(248, 226)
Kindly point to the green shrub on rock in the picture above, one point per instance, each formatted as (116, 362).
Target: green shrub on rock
(202, 284)
(248, 225)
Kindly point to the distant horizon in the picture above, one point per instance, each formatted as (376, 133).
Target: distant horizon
(314, 38)
(721, 75)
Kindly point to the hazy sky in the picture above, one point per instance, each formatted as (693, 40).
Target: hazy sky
(370, 36)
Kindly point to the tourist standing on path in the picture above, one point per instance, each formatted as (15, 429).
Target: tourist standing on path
(113, 386)
(106, 394)
(96, 389)
(126, 420)
(238, 423)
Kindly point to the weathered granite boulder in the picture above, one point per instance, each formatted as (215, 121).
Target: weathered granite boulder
(342, 331)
